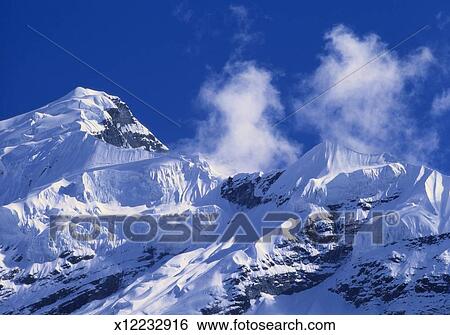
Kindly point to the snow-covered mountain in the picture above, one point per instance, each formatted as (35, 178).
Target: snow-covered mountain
(86, 154)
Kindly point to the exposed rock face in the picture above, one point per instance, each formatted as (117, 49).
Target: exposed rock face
(75, 281)
(293, 266)
(406, 277)
(249, 190)
(122, 129)
(301, 271)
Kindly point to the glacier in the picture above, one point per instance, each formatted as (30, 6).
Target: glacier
(86, 154)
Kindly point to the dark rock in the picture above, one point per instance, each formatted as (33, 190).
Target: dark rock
(117, 133)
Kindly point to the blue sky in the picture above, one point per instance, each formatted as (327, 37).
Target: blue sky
(194, 62)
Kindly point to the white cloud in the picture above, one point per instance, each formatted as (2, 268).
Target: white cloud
(368, 110)
(441, 103)
(239, 136)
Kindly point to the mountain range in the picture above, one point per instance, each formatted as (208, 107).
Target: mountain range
(86, 155)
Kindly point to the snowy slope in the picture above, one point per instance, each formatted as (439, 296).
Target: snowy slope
(85, 154)
(67, 136)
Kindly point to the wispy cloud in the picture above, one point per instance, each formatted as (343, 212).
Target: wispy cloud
(183, 12)
(238, 135)
(442, 20)
(369, 110)
(244, 36)
(441, 103)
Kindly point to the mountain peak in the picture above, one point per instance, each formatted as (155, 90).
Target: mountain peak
(332, 157)
(79, 92)
(82, 93)
(96, 113)
(325, 161)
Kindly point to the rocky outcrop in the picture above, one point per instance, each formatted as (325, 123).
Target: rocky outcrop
(250, 190)
(122, 129)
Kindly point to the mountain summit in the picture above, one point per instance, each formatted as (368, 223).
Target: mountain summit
(80, 131)
(95, 113)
